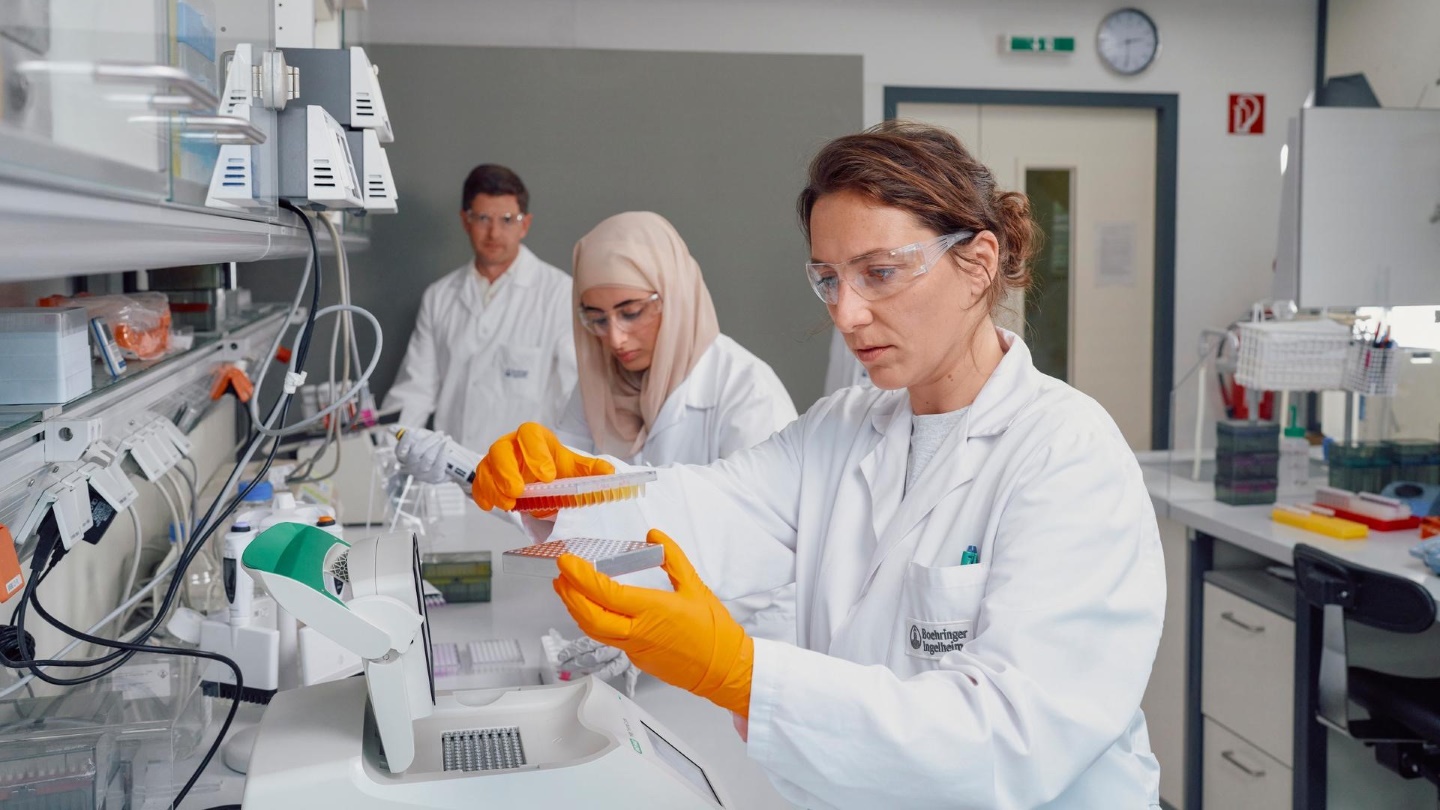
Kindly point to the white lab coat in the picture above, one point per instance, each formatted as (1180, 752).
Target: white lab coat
(918, 681)
(483, 368)
(731, 400)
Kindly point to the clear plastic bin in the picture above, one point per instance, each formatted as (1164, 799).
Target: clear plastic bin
(60, 752)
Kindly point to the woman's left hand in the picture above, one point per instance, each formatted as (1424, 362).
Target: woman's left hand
(685, 637)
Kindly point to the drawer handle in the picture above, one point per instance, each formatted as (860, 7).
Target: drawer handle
(1254, 629)
(191, 93)
(1229, 756)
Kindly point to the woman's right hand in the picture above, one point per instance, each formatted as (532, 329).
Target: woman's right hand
(530, 454)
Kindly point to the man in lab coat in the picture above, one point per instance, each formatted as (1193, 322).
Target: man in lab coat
(492, 345)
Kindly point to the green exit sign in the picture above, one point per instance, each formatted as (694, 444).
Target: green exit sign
(1018, 44)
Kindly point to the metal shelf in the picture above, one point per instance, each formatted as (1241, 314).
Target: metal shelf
(56, 233)
(155, 388)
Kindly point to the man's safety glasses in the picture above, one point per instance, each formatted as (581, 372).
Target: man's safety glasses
(483, 221)
(629, 316)
(882, 273)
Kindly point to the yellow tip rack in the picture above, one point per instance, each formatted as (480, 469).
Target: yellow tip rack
(1320, 520)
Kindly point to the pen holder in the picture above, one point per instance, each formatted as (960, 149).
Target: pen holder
(1371, 370)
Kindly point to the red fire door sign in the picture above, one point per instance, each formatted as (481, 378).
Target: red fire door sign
(1247, 113)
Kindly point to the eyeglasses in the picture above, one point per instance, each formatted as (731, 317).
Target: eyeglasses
(483, 221)
(882, 273)
(628, 316)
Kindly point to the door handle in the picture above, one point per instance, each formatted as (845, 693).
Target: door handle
(1253, 629)
(210, 128)
(1229, 756)
(185, 91)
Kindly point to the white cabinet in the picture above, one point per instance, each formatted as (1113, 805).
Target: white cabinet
(1239, 775)
(1248, 673)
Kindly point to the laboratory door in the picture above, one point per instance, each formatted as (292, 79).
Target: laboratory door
(1090, 176)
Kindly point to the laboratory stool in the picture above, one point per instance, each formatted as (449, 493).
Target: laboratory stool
(1404, 713)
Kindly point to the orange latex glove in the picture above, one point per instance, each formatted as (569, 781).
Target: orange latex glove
(530, 454)
(685, 638)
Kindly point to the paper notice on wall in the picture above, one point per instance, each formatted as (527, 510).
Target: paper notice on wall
(1117, 255)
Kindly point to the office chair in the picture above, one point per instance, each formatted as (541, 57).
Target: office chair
(1404, 713)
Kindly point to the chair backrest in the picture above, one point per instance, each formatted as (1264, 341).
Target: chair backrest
(1375, 598)
(1341, 590)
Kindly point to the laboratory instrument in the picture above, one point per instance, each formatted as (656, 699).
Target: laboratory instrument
(460, 461)
(610, 557)
(586, 490)
(44, 355)
(316, 168)
(392, 742)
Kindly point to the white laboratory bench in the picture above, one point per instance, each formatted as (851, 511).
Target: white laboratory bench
(524, 608)
(1180, 498)
(1229, 651)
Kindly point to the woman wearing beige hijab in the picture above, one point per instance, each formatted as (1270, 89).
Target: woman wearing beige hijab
(658, 383)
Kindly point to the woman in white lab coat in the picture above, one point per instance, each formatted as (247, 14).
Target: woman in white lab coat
(980, 583)
(659, 384)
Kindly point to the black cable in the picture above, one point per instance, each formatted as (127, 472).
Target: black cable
(143, 648)
(47, 557)
(115, 660)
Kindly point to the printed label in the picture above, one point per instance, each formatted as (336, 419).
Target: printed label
(931, 640)
(143, 680)
(517, 373)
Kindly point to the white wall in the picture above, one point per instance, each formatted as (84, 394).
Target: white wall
(1393, 42)
(1229, 186)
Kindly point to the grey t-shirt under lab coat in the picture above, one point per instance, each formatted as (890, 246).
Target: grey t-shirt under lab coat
(927, 433)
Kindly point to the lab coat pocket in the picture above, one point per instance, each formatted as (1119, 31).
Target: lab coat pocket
(521, 371)
(939, 609)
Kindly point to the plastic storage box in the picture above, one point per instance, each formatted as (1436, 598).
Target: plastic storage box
(1415, 460)
(1245, 493)
(462, 576)
(1246, 466)
(1362, 467)
(1238, 436)
(44, 355)
(60, 752)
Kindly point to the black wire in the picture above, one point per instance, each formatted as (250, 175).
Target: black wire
(143, 648)
(124, 651)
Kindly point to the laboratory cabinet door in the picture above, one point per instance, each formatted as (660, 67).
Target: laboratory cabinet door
(1090, 176)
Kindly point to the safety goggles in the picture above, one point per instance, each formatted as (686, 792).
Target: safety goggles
(483, 221)
(881, 273)
(627, 317)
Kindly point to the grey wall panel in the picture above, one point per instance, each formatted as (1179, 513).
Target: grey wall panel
(717, 143)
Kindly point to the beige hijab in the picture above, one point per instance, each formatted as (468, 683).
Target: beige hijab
(642, 250)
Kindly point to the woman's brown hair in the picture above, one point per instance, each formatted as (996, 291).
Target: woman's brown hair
(926, 171)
